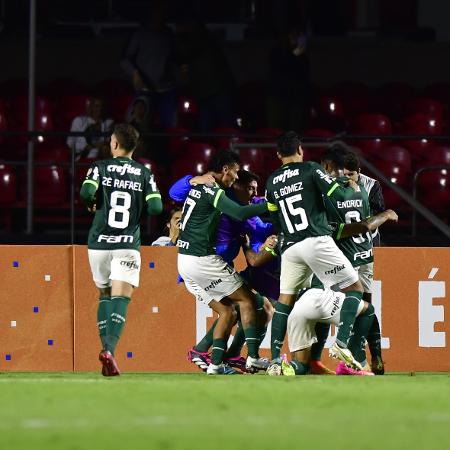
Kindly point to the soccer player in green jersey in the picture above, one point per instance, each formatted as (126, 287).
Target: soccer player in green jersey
(206, 275)
(294, 194)
(322, 307)
(119, 190)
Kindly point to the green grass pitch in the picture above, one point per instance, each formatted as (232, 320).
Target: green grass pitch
(192, 411)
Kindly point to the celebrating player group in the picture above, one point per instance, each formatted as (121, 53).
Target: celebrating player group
(308, 246)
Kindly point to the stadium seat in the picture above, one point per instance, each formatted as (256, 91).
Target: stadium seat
(439, 91)
(8, 185)
(187, 165)
(397, 175)
(397, 155)
(315, 153)
(268, 134)
(54, 154)
(427, 106)
(391, 98)
(438, 155)
(43, 118)
(200, 151)
(253, 159)
(371, 124)
(434, 190)
(69, 106)
(355, 97)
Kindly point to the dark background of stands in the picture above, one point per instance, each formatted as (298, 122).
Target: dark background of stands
(379, 80)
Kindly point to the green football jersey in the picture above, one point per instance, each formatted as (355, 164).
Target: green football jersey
(123, 188)
(294, 194)
(200, 218)
(358, 249)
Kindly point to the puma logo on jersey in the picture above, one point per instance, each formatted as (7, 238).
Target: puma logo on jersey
(122, 170)
(325, 176)
(288, 173)
(350, 204)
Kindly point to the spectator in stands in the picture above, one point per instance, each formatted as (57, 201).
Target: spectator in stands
(149, 61)
(139, 115)
(206, 74)
(91, 145)
(172, 230)
(289, 84)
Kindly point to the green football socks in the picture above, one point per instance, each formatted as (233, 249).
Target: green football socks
(357, 342)
(238, 342)
(116, 322)
(218, 350)
(279, 326)
(322, 331)
(103, 313)
(299, 367)
(348, 314)
(374, 338)
(205, 344)
(252, 340)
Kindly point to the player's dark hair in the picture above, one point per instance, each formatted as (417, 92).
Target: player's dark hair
(351, 162)
(126, 135)
(245, 177)
(167, 218)
(334, 155)
(288, 143)
(222, 158)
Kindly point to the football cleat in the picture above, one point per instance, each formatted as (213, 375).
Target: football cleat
(318, 368)
(255, 364)
(377, 365)
(238, 362)
(343, 369)
(344, 355)
(274, 368)
(109, 365)
(286, 369)
(200, 359)
(221, 369)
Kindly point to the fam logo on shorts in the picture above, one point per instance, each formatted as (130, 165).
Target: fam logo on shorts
(213, 284)
(335, 270)
(130, 264)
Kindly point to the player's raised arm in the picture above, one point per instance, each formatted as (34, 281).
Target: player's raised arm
(152, 196)
(90, 186)
(235, 211)
(179, 190)
(369, 224)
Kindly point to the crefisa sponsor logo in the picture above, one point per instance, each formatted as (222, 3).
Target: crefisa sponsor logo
(335, 270)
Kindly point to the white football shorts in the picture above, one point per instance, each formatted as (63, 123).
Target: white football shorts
(315, 305)
(365, 273)
(320, 255)
(120, 265)
(208, 277)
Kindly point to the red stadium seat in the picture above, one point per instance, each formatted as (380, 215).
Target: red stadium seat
(68, 107)
(397, 155)
(268, 134)
(253, 159)
(187, 112)
(43, 118)
(391, 98)
(438, 155)
(420, 124)
(355, 97)
(56, 155)
(329, 106)
(397, 175)
(200, 151)
(7, 185)
(315, 153)
(426, 106)
(434, 190)
(185, 166)
(371, 124)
